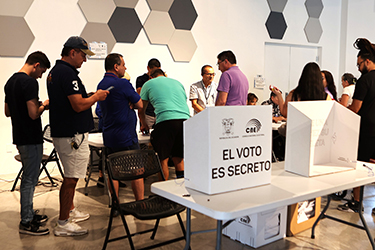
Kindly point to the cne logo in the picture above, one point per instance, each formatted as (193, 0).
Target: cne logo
(253, 126)
(245, 220)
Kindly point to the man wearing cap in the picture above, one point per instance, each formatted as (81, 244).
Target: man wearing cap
(71, 120)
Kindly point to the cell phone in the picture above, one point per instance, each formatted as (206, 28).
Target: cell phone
(110, 88)
(145, 132)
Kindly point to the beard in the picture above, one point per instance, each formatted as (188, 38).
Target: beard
(364, 70)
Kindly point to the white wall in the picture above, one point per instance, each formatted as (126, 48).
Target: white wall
(238, 25)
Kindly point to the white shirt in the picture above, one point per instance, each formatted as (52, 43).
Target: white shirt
(206, 97)
(349, 90)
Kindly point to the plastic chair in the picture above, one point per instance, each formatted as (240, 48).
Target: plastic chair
(45, 160)
(131, 165)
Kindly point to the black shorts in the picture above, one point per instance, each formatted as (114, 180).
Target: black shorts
(167, 139)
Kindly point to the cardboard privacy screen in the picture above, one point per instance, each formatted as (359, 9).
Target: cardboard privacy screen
(228, 148)
(321, 138)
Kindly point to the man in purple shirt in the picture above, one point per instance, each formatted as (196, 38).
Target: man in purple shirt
(233, 84)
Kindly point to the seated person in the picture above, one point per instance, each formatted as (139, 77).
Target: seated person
(252, 99)
(274, 101)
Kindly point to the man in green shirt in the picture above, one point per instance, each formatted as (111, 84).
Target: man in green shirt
(169, 100)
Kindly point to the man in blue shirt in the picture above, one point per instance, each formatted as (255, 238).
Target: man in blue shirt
(119, 118)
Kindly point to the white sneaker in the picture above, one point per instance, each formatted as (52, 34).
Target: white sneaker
(78, 216)
(69, 229)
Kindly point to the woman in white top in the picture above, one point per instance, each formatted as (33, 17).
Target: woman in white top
(348, 82)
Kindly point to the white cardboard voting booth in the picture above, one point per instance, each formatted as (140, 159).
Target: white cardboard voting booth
(259, 229)
(321, 138)
(228, 148)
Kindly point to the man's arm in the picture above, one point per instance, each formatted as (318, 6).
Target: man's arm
(139, 90)
(142, 116)
(198, 108)
(355, 106)
(221, 98)
(35, 109)
(80, 104)
(344, 100)
(138, 105)
(278, 118)
(6, 110)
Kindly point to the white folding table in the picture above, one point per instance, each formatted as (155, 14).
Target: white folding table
(285, 189)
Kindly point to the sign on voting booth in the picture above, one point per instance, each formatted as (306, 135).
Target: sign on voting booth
(321, 138)
(228, 148)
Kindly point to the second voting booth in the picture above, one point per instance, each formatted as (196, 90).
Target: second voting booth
(228, 148)
(322, 138)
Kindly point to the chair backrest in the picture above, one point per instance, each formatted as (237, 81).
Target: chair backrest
(133, 164)
(47, 133)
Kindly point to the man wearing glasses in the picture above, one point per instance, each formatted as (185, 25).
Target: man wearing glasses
(71, 120)
(233, 84)
(203, 93)
(364, 105)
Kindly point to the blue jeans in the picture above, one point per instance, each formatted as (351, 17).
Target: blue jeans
(31, 157)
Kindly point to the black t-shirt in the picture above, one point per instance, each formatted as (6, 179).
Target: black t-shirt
(150, 110)
(365, 92)
(19, 89)
(62, 82)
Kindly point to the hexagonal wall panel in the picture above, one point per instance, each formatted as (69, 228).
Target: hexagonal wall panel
(14, 7)
(97, 11)
(126, 3)
(314, 8)
(277, 5)
(313, 30)
(125, 25)
(183, 14)
(99, 32)
(164, 5)
(159, 27)
(276, 25)
(182, 46)
(16, 36)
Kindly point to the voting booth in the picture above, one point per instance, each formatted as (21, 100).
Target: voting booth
(321, 138)
(228, 148)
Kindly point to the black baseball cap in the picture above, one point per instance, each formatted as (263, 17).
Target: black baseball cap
(78, 42)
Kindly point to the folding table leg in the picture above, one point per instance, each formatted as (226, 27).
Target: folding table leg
(104, 156)
(90, 171)
(321, 216)
(219, 229)
(363, 219)
(188, 228)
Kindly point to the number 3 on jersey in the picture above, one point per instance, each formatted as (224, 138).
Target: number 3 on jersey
(75, 85)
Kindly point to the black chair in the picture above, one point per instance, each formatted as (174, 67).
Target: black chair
(52, 157)
(131, 165)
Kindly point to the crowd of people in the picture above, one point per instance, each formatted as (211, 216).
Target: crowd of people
(162, 106)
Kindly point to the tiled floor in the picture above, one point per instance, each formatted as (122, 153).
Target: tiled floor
(330, 235)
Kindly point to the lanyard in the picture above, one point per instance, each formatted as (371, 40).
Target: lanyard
(205, 91)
